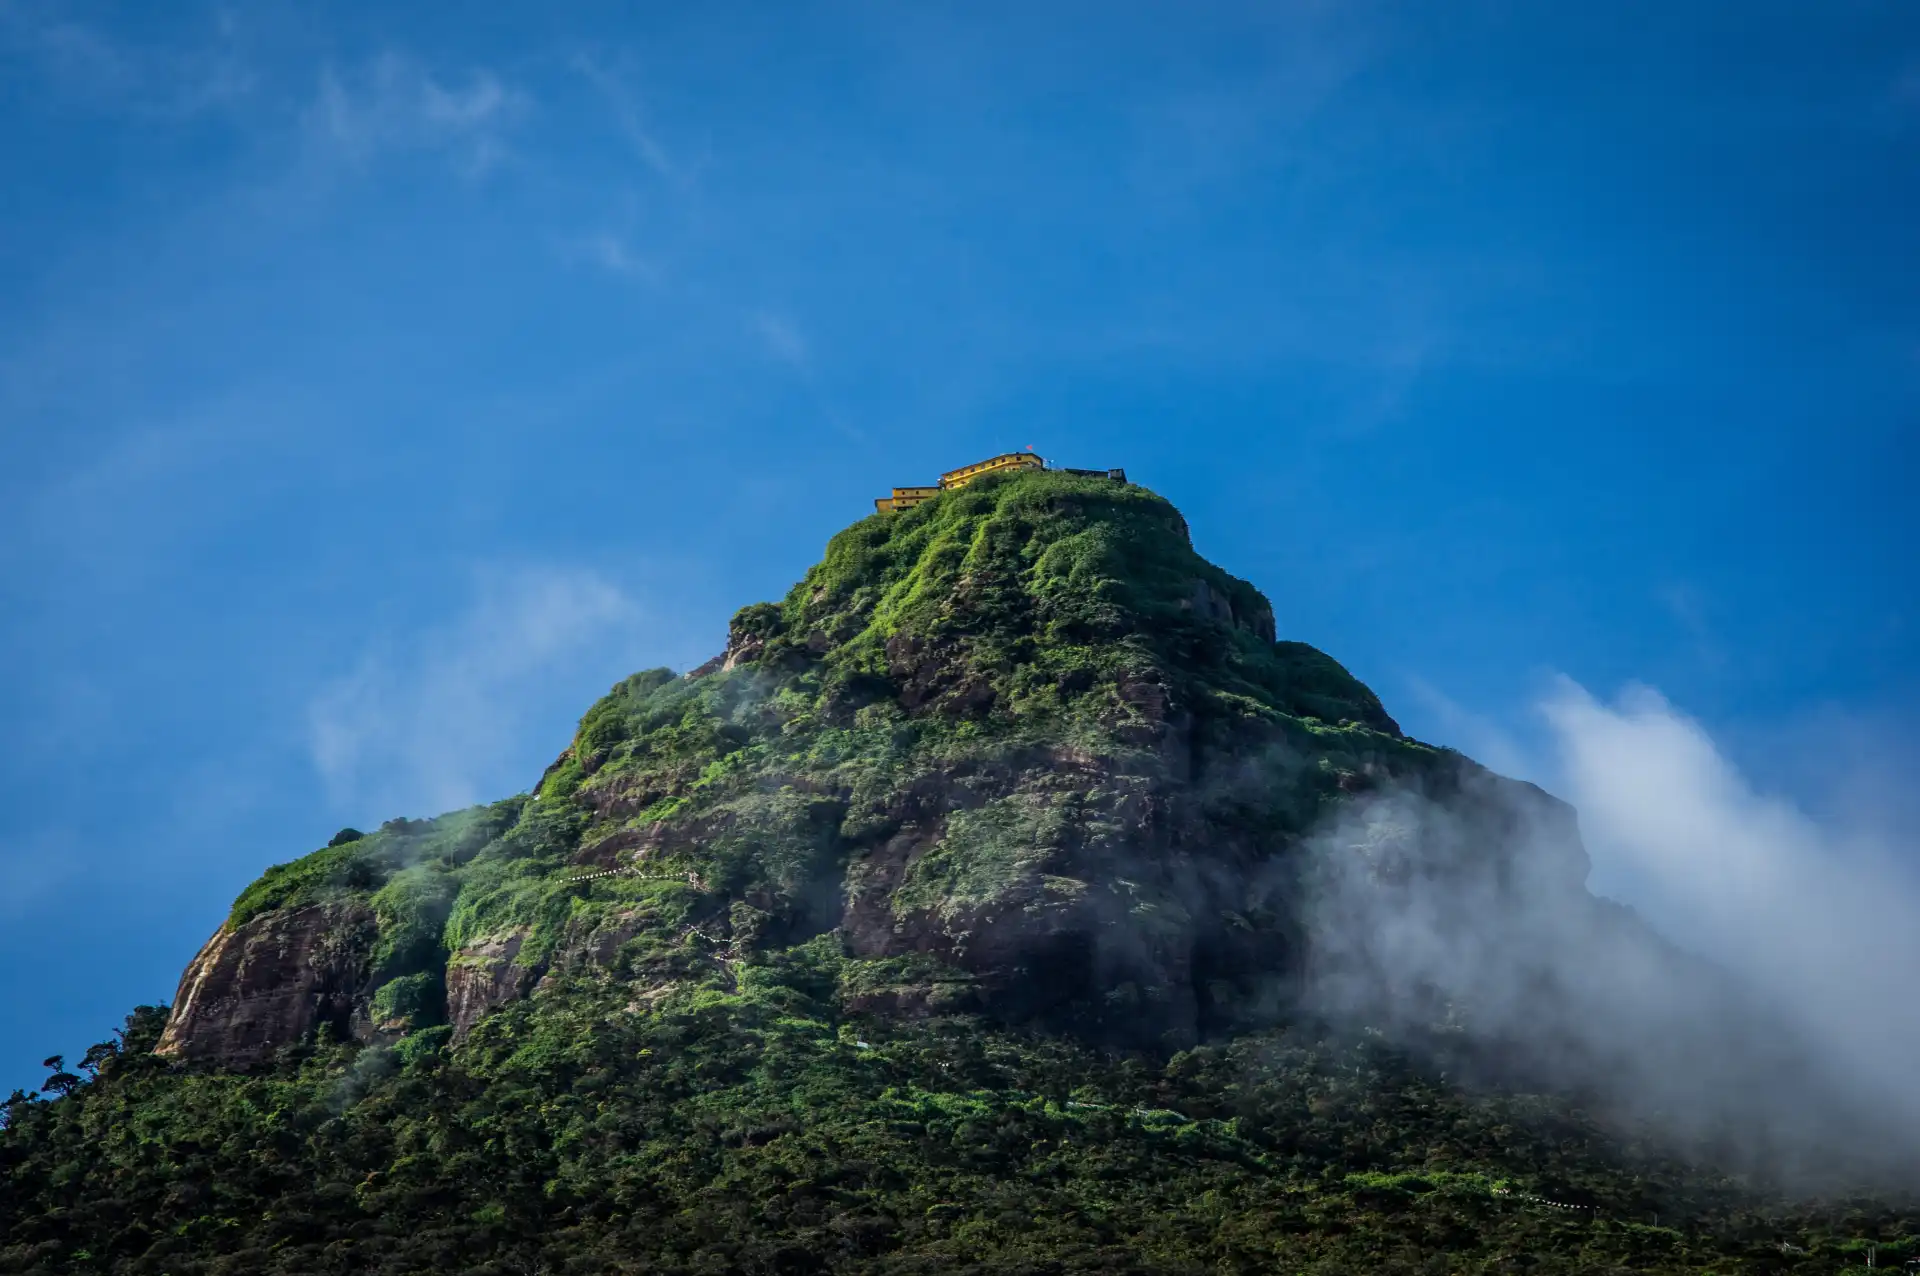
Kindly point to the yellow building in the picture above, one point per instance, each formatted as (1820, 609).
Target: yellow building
(905, 498)
(1005, 461)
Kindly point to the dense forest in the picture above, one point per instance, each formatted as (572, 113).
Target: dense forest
(759, 1131)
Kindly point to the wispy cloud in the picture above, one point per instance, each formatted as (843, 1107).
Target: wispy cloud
(441, 719)
(610, 248)
(785, 343)
(196, 71)
(393, 104)
(1214, 128)
(147, 463)
(1688, 608)
(782, 339)
(624, 103)
(1415, 344)
(613, 253)
(111, 505)
(1485, 740)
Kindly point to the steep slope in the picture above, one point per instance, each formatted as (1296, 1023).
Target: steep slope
(1020, 748)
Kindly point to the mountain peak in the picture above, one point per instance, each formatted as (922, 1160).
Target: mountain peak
(1025, 591)
(1016, 748)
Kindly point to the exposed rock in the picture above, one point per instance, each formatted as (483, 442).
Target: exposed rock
(935, 677)
(271, 982)
(868, 925)
(595, 940)
(741, 650)
(484, 975)
(1210, 603)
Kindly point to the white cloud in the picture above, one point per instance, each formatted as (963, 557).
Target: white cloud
(1822, 917)
(392, 104)
(1799, 1022)
(448, 717)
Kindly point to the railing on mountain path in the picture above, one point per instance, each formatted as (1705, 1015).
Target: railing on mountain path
(1541, 1200)
(692, 879)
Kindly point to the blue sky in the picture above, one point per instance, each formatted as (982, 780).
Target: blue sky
(378, 388)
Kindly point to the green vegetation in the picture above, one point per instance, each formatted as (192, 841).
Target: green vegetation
(763, 1130)
(1052, 584)
(359, 865)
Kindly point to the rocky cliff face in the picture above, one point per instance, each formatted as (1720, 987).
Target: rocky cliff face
(270, 982)
(1018, 749)
(484, 975)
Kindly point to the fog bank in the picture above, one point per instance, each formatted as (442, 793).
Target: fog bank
(1822, 919)
(1773, 1018)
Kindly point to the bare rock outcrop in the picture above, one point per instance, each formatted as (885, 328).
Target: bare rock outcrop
(1208, 602)
(484, 975)
(266, 984)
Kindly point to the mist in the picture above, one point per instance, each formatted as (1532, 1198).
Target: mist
(442, 721)
(1820, 918)
(1769, 1025)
